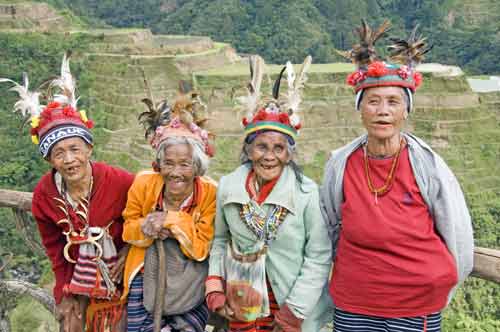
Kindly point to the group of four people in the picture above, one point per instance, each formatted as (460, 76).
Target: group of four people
(387, 237)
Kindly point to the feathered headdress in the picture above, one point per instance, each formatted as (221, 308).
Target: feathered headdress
(372, 72)
(158, 114)
(59, 119)
(28, 104)
(411, 51)
(279, 113)
(364, 53)
(66, 84)
(185, 118)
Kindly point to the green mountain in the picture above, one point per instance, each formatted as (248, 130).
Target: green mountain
(462, 125)
(464, 32)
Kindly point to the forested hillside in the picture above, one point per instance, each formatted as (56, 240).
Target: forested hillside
(464, 32)
(462, 125)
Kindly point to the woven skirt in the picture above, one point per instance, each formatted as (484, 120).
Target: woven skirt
(349, 322)
(140, 320)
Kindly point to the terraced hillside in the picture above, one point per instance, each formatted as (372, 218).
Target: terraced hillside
(34, 16)
(462, 125)
(116, 64)
(113, 65)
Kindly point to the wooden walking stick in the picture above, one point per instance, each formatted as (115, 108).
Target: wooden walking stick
(162, 285)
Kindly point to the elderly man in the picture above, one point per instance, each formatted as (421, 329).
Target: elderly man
(77, 207)
(398, 221)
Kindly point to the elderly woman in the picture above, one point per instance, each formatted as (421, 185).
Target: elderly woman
(400, 228)
(77, 206)
(174, 204)
(270, 258)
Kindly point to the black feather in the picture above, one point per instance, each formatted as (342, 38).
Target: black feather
(185, 87)
(277, 83)
(251, 67)
(155, 116)
(410, 51)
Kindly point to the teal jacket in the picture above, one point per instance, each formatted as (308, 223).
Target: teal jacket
(298, 261)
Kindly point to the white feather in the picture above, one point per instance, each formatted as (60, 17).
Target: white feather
(66, 83)
(295, 87)
(294, 119)
(290, 75)
(28, 103)
(251, 101)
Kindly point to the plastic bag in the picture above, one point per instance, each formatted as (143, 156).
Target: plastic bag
(246, 288)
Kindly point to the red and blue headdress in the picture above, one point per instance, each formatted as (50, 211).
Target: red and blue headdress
(373, 72)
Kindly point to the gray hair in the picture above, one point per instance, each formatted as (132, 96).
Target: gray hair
(200, 158)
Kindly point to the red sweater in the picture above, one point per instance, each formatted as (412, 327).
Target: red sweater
(107, 201)
(390, 260)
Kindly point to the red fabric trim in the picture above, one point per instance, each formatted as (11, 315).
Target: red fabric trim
(214, 278)
(266, 189)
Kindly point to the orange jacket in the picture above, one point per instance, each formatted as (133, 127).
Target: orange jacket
(194, 230)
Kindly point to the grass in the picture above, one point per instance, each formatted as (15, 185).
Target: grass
(31, 316)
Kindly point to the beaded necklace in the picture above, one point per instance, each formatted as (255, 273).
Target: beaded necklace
(263, 225)
(390, 177)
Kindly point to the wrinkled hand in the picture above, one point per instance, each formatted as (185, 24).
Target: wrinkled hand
(70, 315)
(226, 312)
(117, 270)
(277, 328)
(152, 226)
(286, 321)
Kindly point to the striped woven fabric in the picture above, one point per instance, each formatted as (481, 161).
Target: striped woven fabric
(87, 278)
(140, 320)
(348, 322)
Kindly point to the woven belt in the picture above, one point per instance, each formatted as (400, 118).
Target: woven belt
(250, 258)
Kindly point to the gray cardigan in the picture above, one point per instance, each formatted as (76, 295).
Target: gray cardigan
(438, 186)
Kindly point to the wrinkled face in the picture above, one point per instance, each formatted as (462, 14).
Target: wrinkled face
(269, 155)
(70, 157)
(177, 170)
(383, 111)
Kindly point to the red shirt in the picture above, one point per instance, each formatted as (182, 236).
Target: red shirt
(390, 261)
(107, 201)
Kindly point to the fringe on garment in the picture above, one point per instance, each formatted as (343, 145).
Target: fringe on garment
(105, 315)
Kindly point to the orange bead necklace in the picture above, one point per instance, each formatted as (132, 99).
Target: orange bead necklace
(390, 177)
